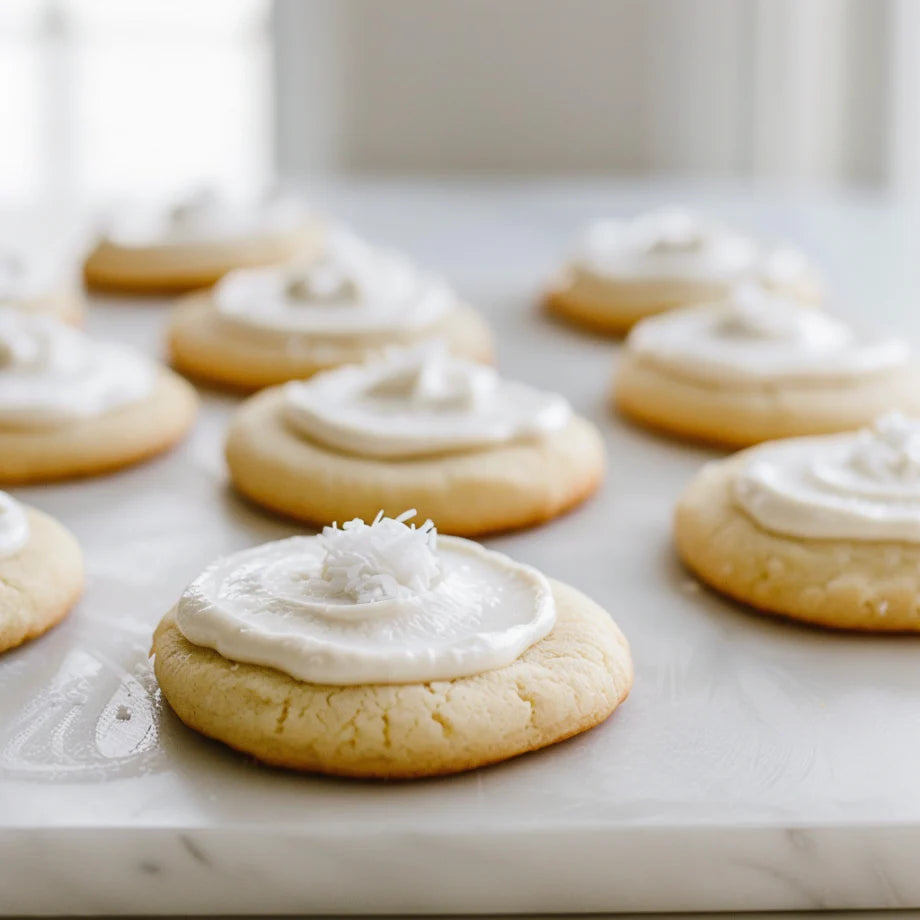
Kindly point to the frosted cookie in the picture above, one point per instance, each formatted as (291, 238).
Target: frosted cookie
(757, 367)
(625, 271)
(41, 572)
(384, 651)
(263, 327)
(823, 529)
(196, 242)
(418, 428)
(71, 406)
(31, 283)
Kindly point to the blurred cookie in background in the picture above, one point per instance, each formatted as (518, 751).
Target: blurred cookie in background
(624, 271)
(196, 241)
(350, 302)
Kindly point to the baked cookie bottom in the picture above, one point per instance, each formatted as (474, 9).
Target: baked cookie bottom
(40, 584)
(733, 417)
(118, 438)
(468, 494)
(175, 269)
(566, 683)
(204, 348)
(844, 584)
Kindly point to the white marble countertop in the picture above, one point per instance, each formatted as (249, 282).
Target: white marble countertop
(757, 765)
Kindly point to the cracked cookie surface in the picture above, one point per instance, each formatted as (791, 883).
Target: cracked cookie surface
(564, 684)
(40, 583)
(845, 584)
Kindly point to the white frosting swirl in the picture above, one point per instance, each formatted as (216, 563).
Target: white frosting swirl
(51, 374)
(380, 603)
(756, 337)
(419, 402)
(23, 278)
(351, 290)
(859, 486)
(14, 526)
(786, 268)
(671, 244)
(204, 217)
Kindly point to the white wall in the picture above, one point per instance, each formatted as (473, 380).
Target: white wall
(786, 88)
(102, 99)
(486, 85)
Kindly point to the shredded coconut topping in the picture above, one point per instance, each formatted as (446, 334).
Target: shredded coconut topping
(890, 449)
(325, 282)
(23, 347)
(429, 377)
(668, 231)
(380, 561)
(192, 207)
(755, 312)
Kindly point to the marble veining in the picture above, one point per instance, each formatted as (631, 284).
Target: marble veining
(757, 764)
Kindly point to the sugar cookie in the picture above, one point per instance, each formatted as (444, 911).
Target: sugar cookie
(629, 270)
(823, 529)
(196, 242)
(419, 429)
(757, 367)
(41, 572)
(263, 327)
(381, 651)
(71, 406)
(33, 284)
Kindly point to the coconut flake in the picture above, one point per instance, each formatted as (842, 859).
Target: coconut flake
(668, 231)
(22, 345)
(429, 377)
(890, 449)
(325, 282)
(379, 561)
(756, 312)
(194, 206)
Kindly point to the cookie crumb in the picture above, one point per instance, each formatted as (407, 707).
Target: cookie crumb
(123, 714)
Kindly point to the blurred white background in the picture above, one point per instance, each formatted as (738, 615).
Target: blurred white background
(105, 99)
